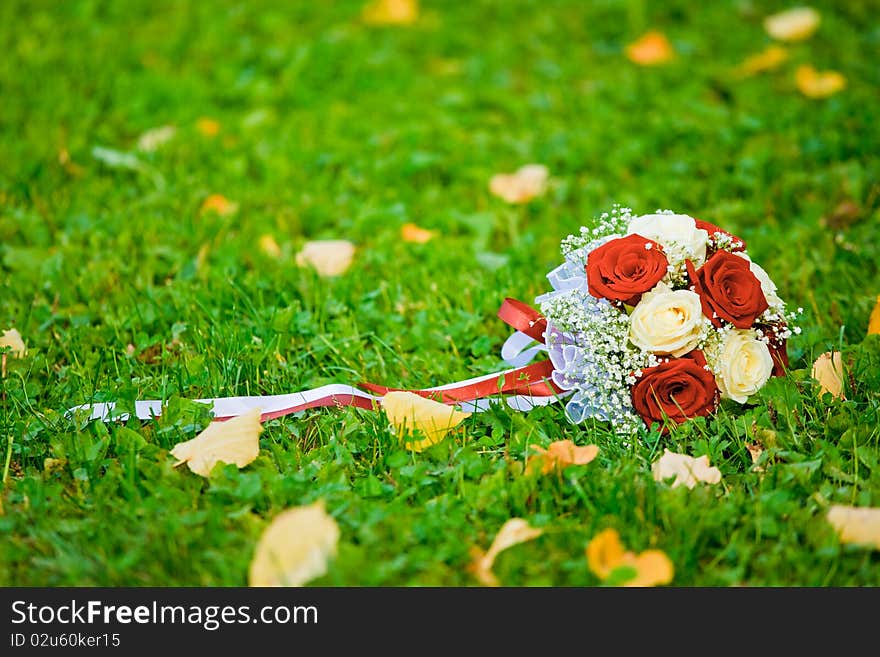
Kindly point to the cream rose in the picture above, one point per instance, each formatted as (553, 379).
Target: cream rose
(667, 322)
(743, 366)
(676, 233)
(768, 287)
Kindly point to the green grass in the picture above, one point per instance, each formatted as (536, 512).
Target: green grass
(332, 129)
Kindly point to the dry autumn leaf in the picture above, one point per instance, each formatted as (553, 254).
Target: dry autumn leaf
(219, 204)
(650, 49)
(828, 371)
(390, 12)
(156, 137)
(328, 257)
(413, 233)
(794, 24)
(874, 321)
(410, 412)
(521, 186)
(295, 547)
(857, 525)
(687, 470)
(269, 246)
(208, 127)
(12, 339)
(233, 441)
(559, 454)
(815, 84)
(770, 58)
(605, 554)
(512, 532)
(755, 451)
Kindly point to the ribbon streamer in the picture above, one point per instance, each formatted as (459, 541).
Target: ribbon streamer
(523, 387)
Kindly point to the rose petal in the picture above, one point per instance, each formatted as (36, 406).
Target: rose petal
(604, 553)
(269, 246)
(409, 412)
(768, 59)
(650, 49)
(12, 339)
(653, 568)
(687, 470)
(859, 525)
(828, 371)
(814, 84)
(793, 25)
(295, 547)
(874, 321)
(233, 441)
(525, 184)
(560, 454)
(512, 532)
(154, 138)
(413, 233)
(219, 204)
(328, 257)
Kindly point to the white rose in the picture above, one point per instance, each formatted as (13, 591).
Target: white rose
(676, 233)
(768, 287)
(666, 322)
(743, 366)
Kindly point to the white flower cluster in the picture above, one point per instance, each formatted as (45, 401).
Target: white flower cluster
(600, 347)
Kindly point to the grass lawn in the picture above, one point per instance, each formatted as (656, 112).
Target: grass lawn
(326, 128)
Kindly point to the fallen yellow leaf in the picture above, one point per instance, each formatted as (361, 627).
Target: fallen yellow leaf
(687, 470)
(390, 12)
(522, 186)
(412, 233)
(828, 371)
(770, 58)
(605, 554)
(512, 532)
(12, 339)
(815, 84)
(269, 246)
(653, 568)
(233, 441)
(859, 525)
(794, 24)
(409, 412)
(650, 49)
(328, 257)
(208, 127)
(219, 204)
(295, 547)
(154, 138)
(559, 454)
(874, 321)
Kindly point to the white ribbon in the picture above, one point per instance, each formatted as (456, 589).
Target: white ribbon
(516, 352)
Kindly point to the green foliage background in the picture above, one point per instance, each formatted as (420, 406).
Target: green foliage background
(334, 129)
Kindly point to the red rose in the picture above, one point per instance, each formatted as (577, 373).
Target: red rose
(712, 229)
(777, 347)
(624, 268)
(678, 389)
(779, 354)
(728, 290)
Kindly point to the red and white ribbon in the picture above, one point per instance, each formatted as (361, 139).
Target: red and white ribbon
(523, 387)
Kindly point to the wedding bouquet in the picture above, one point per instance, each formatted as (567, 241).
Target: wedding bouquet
(660, 316)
